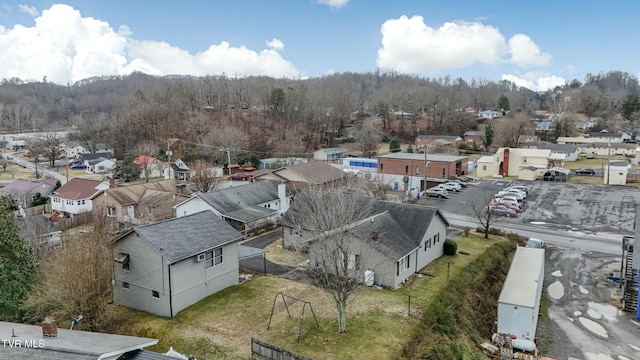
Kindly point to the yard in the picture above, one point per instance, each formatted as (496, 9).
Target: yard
(222, 325)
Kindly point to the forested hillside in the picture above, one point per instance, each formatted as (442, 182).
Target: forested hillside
(278, 117)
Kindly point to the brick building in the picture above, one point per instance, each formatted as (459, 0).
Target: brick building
(404, 170)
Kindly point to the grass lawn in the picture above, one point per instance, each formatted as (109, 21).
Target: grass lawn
(16, 172)
(378, 324)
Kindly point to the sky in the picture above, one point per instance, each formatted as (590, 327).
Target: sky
(536, 44)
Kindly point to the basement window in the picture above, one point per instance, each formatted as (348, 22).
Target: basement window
(125, 285)
(155, 294)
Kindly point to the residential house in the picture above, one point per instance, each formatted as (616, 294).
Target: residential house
(76, 196)
(513, 162)
(583, 140)
(48, 341)
(150, 166)
(163, 268)
(142, 203)
(606, 149)
(472, 137)
(101, 162)
(584, 125)
(544, 126)
(330, 154)
(277, 163)
(317, 174)
(431, 142)
(392, 240)
(559, 152)
(16, 144)
(528, 140)
(488, 166)
(615, 173)
(249, 208)
(489, 114)
(404, 171)
(38, 229)
(178, 170)
(72, 149)
(24, 192)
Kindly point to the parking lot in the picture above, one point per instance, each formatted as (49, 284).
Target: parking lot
(587, 208)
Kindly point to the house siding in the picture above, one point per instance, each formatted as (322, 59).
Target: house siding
(148, 272)
(75, 208)
(191, 282)
(192, 206)
(436, 234)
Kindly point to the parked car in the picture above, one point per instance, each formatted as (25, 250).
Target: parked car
(590, 156)
(240, 176)
(502, 210)
(78, 166)
(437, 192)
(508, 201)
(535, 243)
(512, 207)
(459, 182)
(523, 188)
(589, 172)
(451, 186)
(519, 195)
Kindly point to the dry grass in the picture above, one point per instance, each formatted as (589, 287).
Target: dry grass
(16, 172)
(221, 325)
(279, 255)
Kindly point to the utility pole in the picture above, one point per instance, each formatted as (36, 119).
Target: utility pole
(608, 160)
(228, 159)
(425, 166)
(170, 142)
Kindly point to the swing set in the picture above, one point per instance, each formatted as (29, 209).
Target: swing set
(284, 297)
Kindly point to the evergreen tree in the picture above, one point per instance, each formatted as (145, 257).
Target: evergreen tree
(17, 262)
(410, 150)
(503, 103)
(394, 146)
(631, 107)
(128, 169)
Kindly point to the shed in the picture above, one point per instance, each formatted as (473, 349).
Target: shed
(519, 301)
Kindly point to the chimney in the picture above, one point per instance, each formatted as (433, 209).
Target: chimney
(374, 235)
(505, 162)
(112, 183)
(282, 195)
(49, 327)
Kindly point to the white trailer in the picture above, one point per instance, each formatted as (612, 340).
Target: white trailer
(519, 301)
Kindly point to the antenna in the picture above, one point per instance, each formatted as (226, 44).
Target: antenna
(75, 321)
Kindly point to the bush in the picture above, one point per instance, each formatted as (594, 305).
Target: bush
(450, 247)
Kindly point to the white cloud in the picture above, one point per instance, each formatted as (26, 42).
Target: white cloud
(536, 80)
(571, 68)
(335, 4)
(525, 53)
(66, 47)
(276, 44)
(29, 10)
(409, 45)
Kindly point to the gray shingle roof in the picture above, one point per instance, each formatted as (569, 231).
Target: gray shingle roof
(145, 355)
(179, 238)
(401, 227)
(93, 156)
(69, 345)
(36, 224)
(241, 202)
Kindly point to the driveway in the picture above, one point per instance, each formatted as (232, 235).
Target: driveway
(259, 263)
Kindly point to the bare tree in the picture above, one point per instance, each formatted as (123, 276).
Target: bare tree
(338, 259)
(510, 128)
(203, 177)
(478, 204)
(4, 163)
(47, 146)
(77, 279)
(368, 140)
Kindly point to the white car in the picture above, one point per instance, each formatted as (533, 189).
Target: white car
(437, 192)
(535, 243)
(515, 193)
(519, 187)
(509, 202)
(450, 186)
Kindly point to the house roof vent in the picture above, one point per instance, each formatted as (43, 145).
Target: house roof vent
(374, 235)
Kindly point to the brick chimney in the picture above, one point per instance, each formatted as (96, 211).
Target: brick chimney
(49, 327)
(112, 183)
(505, 163)
(374, 235)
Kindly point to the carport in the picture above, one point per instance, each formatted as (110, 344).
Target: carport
(246, 252)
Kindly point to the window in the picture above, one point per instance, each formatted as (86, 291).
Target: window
(403, 264)
(381, 165)
(125, 285)
(155, 294)
(417, 169)
(125, 266)
(406, 169)
(524, 159)
(111, 211)
(213, 257)
(484, 167)
(427, 244)
(83, 202)
(444, 172)
(436, 238)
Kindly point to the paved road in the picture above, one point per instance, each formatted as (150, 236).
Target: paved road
(42, 170)
(258, 263)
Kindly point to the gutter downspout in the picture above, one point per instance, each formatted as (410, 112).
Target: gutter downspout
(170, 294)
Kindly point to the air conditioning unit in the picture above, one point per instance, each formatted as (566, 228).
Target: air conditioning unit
(200, 257)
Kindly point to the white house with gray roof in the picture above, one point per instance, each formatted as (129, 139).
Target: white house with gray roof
(248, 208)
(393, 240)
(163, 268)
